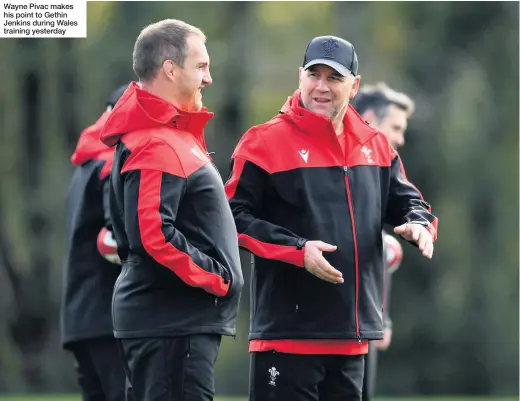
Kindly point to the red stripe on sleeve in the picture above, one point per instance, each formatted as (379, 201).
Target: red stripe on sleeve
(284, 253)
(163, 252)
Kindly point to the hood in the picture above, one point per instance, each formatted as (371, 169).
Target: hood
(138, 109)
(89, 146)
(310, 122)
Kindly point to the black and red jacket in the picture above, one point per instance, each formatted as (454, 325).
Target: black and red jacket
(88, 278)
(173, 225)
(290, 183)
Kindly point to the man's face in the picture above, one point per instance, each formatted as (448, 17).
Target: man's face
(326, 92)
(194, 76)
(393, 125)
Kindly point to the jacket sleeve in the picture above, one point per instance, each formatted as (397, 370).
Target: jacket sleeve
(104, 175)
(153, 193)
(405, 202)
(106, 203)
(245, 191)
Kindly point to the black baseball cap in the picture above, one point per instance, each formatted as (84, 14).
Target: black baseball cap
(335, 52)
(115, 95)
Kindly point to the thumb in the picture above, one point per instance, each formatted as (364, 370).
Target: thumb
(400, 229)
(323, 246)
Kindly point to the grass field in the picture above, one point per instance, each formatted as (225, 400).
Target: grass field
(76, 398)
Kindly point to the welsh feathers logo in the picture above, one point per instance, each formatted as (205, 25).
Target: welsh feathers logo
(273, 373)
(329, 46)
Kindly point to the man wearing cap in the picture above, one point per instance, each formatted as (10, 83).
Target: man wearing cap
(310, 191)
(86, 319)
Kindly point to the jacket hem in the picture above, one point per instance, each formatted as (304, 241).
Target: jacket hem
(349, 335)
(74, 338)
(175, 332)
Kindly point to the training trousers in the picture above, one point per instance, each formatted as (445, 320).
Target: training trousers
(278, 376)
(100, 372)
(171, 368)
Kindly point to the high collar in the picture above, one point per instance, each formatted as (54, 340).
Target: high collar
(138, 109)
(314, 124)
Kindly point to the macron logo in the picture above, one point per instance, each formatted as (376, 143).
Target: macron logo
(304, 154)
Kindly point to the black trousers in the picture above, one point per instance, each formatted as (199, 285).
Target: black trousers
(369, 379)
(172, 368)
(276, 376)
(99, 368)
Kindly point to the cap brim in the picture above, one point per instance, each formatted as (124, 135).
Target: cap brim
(331, 63)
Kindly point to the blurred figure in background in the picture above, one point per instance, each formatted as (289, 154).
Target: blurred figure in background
(388, 111)
(89, 275)
(181, 279)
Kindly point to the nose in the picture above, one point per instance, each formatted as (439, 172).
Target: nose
(207, 81)
(322, 85)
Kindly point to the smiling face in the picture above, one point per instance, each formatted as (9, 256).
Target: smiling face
(326, 92)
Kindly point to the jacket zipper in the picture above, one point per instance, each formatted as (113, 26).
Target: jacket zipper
(356, 256)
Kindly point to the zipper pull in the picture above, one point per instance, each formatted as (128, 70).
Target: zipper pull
(345, 170)
(359, 339)
(216, 301)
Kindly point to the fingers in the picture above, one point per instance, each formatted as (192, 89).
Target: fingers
(328, 277)
(415, 231)
(400, 229)
(331, 275)
(425, 243)
(324, 247)
(382, 345)
(428, 250)
(408, 231)
(423, 239)
(324, 271)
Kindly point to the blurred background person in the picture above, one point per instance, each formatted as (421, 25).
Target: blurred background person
(91, 268)
(388, 111)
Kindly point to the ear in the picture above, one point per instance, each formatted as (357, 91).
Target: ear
(300, 72)
(169, 68)
(355, 86)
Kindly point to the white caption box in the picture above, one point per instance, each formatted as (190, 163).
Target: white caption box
(43, 19)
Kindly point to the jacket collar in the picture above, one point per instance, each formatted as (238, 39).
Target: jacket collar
(311, 123)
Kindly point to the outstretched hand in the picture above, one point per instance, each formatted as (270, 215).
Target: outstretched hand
(419, 234)
(316, 264)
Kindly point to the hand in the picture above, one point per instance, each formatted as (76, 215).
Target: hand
(385, 342)
(316, 264)
(418, 234)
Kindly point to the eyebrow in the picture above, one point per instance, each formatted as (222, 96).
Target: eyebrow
(334, 74)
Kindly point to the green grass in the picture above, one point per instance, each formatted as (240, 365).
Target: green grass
(76, 398)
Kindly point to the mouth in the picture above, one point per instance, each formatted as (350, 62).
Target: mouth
(321, 100)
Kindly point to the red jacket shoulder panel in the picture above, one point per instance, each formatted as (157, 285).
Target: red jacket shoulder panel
(171, 151)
